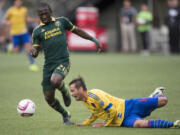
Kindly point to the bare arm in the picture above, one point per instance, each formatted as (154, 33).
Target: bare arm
(85, 35)
(34, 51)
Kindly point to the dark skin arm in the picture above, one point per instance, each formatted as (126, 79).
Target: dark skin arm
(85, 35)
(34, 51)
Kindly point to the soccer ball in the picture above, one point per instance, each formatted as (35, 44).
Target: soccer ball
(26, 108)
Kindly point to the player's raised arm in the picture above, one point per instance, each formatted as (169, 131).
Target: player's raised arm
(85, 35)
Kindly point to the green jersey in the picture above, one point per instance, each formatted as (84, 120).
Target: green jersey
(52, 39)
(146, 17)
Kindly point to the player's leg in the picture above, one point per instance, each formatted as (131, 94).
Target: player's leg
(16, 43)
(162, 101)
(55, 104)
(49, 95)
(125, 41)
(26, 41)
(136, 109)
(57, 81)
(143, 107)
(130, 119)
(132, 37)
(153, 124)
(135, 121)
(159, 93)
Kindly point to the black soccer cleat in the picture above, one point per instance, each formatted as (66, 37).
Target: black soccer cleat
(66, 98)
(66, 119)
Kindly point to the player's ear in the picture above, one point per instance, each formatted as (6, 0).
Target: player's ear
(81, 89)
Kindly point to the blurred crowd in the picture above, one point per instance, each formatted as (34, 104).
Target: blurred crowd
(133, 22)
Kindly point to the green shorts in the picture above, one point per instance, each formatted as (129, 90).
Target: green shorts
(61, 68)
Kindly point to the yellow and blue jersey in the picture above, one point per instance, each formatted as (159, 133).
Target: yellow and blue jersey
(102, 105)
(17, 17)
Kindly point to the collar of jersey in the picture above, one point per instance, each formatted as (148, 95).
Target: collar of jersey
(53, 19)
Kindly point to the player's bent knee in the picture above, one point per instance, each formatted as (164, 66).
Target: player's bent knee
(56, 80)
(162, 101)
(140, 124)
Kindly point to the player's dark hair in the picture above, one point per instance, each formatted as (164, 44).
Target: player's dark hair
(79, 82)
(43, 5)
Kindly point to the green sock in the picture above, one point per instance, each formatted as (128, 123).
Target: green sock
(57, 106)
(63, 88)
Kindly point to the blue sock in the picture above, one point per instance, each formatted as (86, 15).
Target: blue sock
(160, 124)
(31, 59)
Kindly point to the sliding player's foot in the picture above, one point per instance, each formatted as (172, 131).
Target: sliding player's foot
(157, 91)
(177, 124)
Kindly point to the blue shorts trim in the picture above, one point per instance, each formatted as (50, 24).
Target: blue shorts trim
(138, 108)
(21, 39)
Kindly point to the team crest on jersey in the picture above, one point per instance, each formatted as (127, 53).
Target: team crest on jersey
(58, 23)
(42, 30)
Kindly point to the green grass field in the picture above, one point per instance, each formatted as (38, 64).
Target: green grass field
(125, 76)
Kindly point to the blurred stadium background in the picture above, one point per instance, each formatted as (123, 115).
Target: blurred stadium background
(123, 75)
(109, 18)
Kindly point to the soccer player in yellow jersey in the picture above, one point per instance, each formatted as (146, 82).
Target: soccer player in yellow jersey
(16, 18)
(119, 112)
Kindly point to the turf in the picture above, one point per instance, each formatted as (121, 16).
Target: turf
(125, 76)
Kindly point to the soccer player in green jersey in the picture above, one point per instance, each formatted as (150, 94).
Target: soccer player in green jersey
(50, 35)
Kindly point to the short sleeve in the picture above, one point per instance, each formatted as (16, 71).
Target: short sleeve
(106, 105)
(134, 11)
(68, 25)
(26, 11)
(35, 38)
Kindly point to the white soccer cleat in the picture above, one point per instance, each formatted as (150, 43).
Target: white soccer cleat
(177, 124)
(157, 91)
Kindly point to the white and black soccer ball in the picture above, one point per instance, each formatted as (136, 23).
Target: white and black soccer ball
(26, 108)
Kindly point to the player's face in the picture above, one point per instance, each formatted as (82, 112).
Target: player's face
(18, 3)
(144, 8)
(173, 3)
(44, 15)
(127, 4)
(76, 93)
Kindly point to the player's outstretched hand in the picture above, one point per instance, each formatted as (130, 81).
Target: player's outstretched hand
(79, 124)
(98, 47)
(34, 52)
(98, 125)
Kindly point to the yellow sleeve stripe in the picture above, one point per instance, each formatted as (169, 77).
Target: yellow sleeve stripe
(36, 45)
(72, 28)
